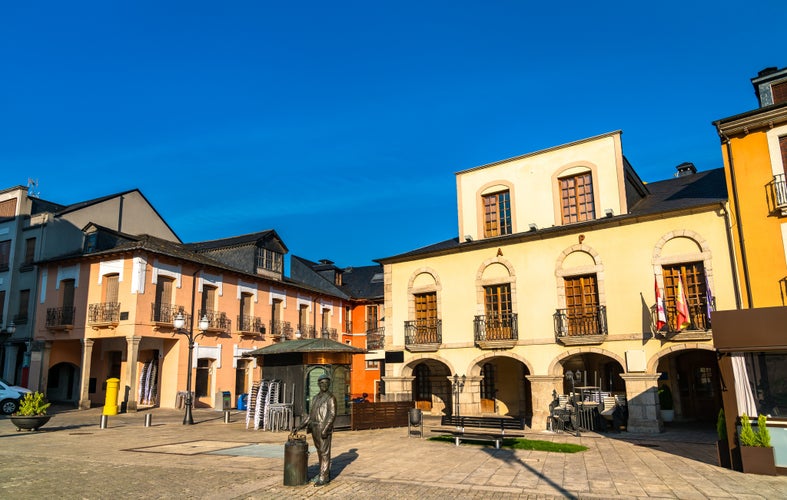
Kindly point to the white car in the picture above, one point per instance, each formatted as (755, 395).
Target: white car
(10, 396)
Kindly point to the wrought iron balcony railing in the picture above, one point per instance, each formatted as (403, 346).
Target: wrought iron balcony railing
(308, 331)
(348, 326)
(423, 332)
(60, 316)
(778, 188)
(281, 330)
(375, 340)
(581, 321)
(103, 312)
(217, 321)
(250, 325)
(165, 313)
(490, 327)
(329, 333)
(699, 317)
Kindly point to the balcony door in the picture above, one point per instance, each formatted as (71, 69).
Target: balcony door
(426, 318)
(161, 311)
(582, 305)
(497, 305)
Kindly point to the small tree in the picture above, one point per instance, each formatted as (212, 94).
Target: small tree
(665, 397)
(748, 437)
(763, 434)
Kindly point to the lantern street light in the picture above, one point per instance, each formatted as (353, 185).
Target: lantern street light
(458, 384)
(179, 322)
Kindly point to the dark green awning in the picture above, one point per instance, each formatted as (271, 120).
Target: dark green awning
(305, 345)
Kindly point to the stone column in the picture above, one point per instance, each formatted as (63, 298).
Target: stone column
(643, 402)
(469, 396)
(398, 389)
(130, 387)
(84, 385)
(9, 362)
(46, 352)
(541, 387)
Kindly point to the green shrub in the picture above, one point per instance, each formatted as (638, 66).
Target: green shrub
(760, 438)
(721, 425)
(763, 435)
(32, 404)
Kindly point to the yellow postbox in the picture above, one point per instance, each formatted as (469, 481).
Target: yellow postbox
(111, 400)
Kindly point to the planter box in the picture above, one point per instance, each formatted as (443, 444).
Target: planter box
(758, 460)
(723, 453)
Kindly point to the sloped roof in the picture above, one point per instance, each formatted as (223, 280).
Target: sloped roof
(680, 193)
(305, 345)
(363, 282)
(688, 191)
(244, 239)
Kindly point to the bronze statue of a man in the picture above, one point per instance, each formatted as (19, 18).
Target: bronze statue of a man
(319, 423)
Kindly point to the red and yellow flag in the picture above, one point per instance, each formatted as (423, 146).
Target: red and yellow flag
(681, 305)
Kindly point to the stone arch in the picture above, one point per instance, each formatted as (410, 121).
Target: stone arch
(495, 186)
(653, 362)
(407, 368)
(475, 364)
(569, 169)
(436, 287)
(480, 282)
(597, 268)
(555, 365)
(704, 254)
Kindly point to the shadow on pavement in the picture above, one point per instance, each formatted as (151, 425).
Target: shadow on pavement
(509, 457)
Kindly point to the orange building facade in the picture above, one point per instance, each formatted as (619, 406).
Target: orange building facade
(109, 313)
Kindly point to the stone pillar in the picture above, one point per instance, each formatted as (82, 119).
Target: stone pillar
(46, 352)
(469, 396)
(541, 388)
(84, 385)
(130, 387)
(643, 402)
(9, 362)
(398, 389)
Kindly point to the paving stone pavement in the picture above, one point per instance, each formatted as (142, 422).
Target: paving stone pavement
(72, 457)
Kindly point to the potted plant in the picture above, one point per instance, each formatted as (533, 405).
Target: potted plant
(665, 401)
(723, 445)
(31, 413)
(756, 451)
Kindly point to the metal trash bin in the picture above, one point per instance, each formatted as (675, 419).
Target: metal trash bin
(296, 459)
(415, 419)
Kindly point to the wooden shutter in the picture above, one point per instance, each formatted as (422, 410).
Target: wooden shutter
(779, 92)
(576, 193)
(783, 148)
(111, 288)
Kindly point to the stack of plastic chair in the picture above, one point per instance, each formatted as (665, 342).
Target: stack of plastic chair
(262, 395)
(251, 402)
(272, 398)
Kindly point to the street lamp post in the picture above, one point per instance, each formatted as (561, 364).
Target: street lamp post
(458, 384)
(179, 322)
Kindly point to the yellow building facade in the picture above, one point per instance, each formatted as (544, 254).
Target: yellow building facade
(553, 274)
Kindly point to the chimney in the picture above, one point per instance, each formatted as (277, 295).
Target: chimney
(685, 168)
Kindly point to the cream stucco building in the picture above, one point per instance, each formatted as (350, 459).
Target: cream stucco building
(553, 272)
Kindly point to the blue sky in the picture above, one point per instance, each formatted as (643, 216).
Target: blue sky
(341, 124)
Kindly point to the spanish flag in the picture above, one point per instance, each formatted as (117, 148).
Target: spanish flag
(681, 305)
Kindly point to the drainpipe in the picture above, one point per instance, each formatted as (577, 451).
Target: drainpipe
(741, 240)
(733, 265)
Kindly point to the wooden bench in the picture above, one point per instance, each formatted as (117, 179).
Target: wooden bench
(473, 428)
